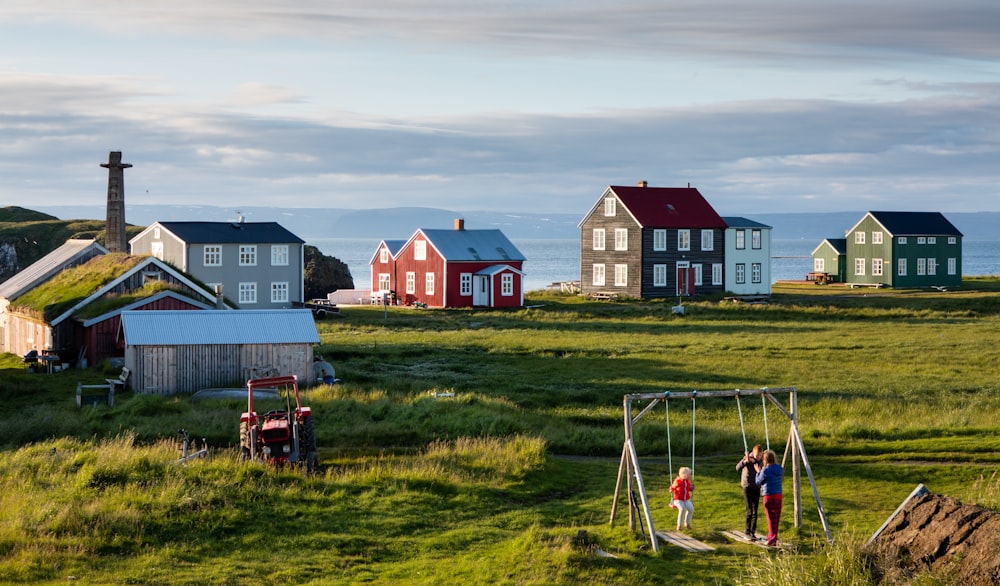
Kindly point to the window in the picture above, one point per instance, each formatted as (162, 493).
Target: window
(921, 240)
(901, 240)
(741, 273)
(952, 240)
(876, 267)
(707, 240)
(683, 240)
(819, 265)
(741, 240)
(248, 255)
(932, 240)
(279, 255)
(697, 275)
(156, 249)
(383, 255)
(859, 237)
(384, 282)
(156, 233)
(248, 293)
(952, 266)
(420, 250)
(507, 285)
(213, 256)
(465, 284)
(859, 267)
(411, 282)
(921, 266)
(621, 275)
(717, 273)
(429, 283)
(659, 240)
(876, 238)
(901, 267)
(598, 275)
(659, 275)
(598, 238)
(755, 272)
(932, 266)
(621, 238)
(610, 207)
(279, 292)
(755, 239)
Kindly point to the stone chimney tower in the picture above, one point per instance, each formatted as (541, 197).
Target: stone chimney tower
(114, 231)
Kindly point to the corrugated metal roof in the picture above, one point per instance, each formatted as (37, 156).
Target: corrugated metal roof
(231, 232)
(668, 207)
(394, 246)
(246, 326)
(50, 264)
(473, 245)
(738, 222)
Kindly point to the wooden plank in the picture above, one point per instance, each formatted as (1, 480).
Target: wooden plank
(742, 538)
(684, 541)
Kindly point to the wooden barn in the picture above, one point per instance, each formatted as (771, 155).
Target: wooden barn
(171, 352)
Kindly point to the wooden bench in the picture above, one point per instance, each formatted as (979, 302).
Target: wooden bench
(604, 295)
(120, 381)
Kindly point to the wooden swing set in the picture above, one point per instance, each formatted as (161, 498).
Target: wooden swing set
(628, 469)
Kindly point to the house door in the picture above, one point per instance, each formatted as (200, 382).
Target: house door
(481, 290)
(685, 279)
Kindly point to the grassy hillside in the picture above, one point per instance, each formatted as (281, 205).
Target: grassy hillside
(511, 479)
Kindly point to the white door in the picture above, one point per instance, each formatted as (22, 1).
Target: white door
(481, 290)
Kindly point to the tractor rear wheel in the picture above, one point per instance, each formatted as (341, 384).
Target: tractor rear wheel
(245, 440)
(309, 457)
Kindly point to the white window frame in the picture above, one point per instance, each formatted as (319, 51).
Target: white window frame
(921, 267)
(507, 285)
(819, 265)
(876, 267)
(877, 237)
(741, 273)
(755, 239)
(901, 267)
(280, 255)
(859, 267)
(697, 274)
(248, 255)
(610, 207)
(952, 266)
(901, 240)
(755, 272)
(599, 277)
(247, 292)
(420, 250)
(429, 283)
(384, 282)
(932, 266)
(921, 240)
(621, 275)
(621, 238)
(952, 240)
(212, 256)
(717, 273)
(411, 282)
(707, 240)
(932, 240)
(684, 240)
(659, 275)
(279, 292)
(859, 237)
(383, 255)
(659, 240)
(598, 238)
(465, 284)
(741, 239)
(156, 233)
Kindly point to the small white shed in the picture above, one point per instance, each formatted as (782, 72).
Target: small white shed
(171, 352)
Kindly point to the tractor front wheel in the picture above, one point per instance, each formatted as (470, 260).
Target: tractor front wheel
(245, 453)
(307, 448)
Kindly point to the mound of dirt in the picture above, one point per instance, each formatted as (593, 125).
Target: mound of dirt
(940, 534)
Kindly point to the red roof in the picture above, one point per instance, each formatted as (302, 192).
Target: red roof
(668, 207)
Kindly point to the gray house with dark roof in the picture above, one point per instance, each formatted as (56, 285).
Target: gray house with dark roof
(259, 265)
(903, 249)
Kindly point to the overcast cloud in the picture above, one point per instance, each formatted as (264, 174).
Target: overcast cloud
(765, 107)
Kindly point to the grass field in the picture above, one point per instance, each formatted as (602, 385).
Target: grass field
(511, 479)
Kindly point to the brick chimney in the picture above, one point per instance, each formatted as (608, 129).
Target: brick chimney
(642, 183)
(459, 224)
(114, 230)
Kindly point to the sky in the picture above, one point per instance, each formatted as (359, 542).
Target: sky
(765, 107)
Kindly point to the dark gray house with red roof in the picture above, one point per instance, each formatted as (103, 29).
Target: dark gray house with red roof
(259, 265)
(651, 242)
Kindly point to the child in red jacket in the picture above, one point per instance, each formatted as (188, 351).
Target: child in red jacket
(682, 489)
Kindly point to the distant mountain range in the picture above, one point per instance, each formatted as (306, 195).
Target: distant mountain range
(398, 223)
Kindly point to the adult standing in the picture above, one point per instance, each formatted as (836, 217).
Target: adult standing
(769, 479)
(748, 467)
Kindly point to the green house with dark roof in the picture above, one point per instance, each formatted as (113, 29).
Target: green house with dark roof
(903, 249)
(830, 258)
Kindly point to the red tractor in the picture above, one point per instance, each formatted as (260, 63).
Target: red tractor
(279, 437)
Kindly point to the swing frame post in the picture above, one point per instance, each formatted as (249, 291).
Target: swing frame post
(629, 465)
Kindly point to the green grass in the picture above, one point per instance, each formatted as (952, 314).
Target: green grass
(511, 480)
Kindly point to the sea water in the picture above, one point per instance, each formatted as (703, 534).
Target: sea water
(553, 260)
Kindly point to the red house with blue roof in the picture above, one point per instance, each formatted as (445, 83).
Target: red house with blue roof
(450, 268)
(650, 242)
